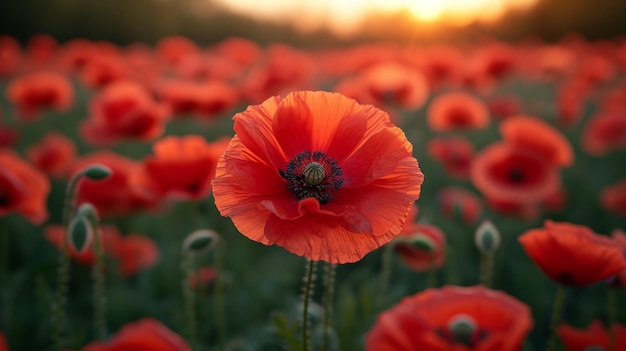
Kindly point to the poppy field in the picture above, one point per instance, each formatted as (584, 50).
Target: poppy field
(248, 197)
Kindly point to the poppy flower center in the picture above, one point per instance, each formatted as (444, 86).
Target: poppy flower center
(4, 198)
(313, 174)
(462, 329)
(516, 175)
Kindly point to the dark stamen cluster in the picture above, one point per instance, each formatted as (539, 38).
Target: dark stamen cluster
(302, 183)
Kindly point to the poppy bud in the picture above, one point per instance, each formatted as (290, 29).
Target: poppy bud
(80, 234)
(88, 211)
(201, 241)
(97, 172)
(462, 328)
(487, 238)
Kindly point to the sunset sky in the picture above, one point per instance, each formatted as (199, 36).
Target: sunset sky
(343, 16)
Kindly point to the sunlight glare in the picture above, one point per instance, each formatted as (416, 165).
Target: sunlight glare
(343, 17)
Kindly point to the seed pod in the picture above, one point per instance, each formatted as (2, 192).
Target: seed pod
(487, 238)
(201, 241)
(97, 172)
(80, 234)
(462, 328)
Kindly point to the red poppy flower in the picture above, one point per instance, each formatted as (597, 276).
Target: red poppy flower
(10, 55)
(8, 137)
(605, 132)
(54, 154)
(556, 202)
(23, 188)
(613, 198)
(202, 276)
(318, 174)
(182, 167)
(452, 319)
(174, 49)
(144, 335)
(512, 208)
(418, 258)
(282, 70)
(34, 93)
(502, 171)
(619, 236)
(391, 84)
(595, 337)
(537, 136)
(123, 110)
(136, 253)
(454, 153)
(207, 100)
(503, 107)
(41, 47)
(455, 201)
(570, 101)
(496, 60)
(109, 237)
(457, 110)
(239, 50)
(103, 70)
(573, 254)
(114, 195)
(442, 64)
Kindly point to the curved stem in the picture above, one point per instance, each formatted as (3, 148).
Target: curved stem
(189, 297)
(487, 265)
(556, 317)
(306, 297)
(329, 284)
(64, 263)
(98, 276)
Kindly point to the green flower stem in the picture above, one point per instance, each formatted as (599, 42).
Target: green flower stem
(611, 305)
(306, 297)
(98, 278)
(385, 274)
(432, 274)
(486, 269)
(4, 267)
(556, 317)
(189, 297)
(219, 294)
(64, 263)
(329, 285)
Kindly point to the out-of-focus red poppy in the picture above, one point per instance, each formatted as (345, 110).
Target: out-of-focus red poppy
(613, 198)
(182, 167)
(109, 236)
(53, 154)
(605, 132)
(10, 54)
(458, 202)
(281, 70)
(595, 337)
(452, 319)
(34, 93)
(144, 335)
(136, 253)
(457, 110)
(390, 84)
(174, 49)
(207, 100)
(507, 172)
(23, 188)
(556, 202)
(538, 137)
(502, 107)
(203, 276)
(512, 208)
(416, 257)
(496, 60)
(122, 111)
(573, 254)
(619, 236)
(114, 195)
(454, 153)
(8, 137)
(239, 50)
(41, 48)
(76, 53)
(555, 61)
(442, 64)
(318, 164)
(570, 100)
(103, 70)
